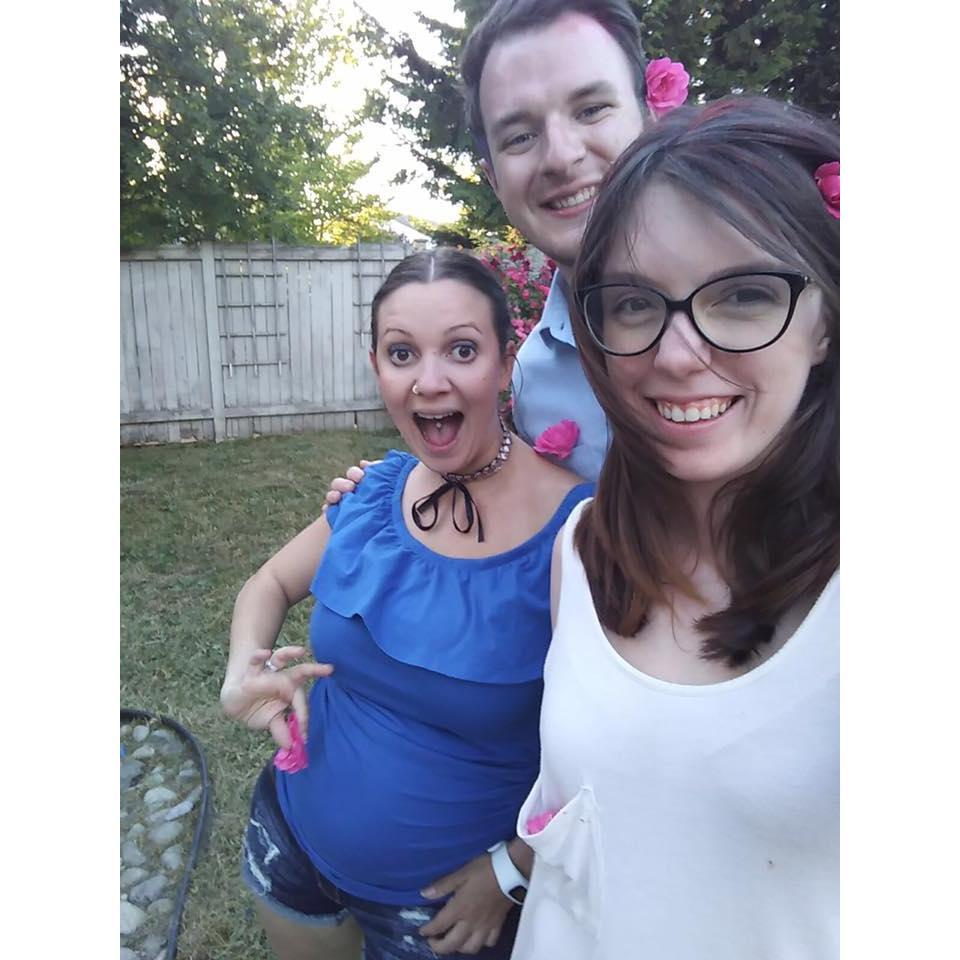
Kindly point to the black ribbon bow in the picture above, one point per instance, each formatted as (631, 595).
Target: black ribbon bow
(432, 501)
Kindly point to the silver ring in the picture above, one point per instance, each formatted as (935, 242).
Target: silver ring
(270, 665)
(416, 388)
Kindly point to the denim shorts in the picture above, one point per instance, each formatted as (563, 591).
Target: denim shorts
(283, 878)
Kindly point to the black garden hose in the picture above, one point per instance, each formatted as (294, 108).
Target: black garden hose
(199, 831)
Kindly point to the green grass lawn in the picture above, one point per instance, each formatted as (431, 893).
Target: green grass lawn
(195, 522)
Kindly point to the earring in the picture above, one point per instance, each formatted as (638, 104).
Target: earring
(416, 388)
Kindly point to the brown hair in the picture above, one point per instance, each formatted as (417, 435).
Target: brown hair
(776, 529)
(508, 17)
(445, 263)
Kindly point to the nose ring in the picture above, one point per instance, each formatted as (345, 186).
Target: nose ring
(416, 388)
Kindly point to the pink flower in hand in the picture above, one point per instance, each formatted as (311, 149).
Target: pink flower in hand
(559, 440)
(827, 176)
(536, 823)
(667, 85)
(293, 758)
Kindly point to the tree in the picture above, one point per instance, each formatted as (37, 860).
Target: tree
(215, 141)
(785, 48)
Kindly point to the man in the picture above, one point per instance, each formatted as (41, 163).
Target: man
(554, 92)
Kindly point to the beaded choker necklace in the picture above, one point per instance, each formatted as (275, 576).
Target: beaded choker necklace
(457, 482)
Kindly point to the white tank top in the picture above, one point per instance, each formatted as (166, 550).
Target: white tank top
(695, 822)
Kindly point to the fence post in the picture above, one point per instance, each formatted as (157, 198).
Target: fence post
(213, 338)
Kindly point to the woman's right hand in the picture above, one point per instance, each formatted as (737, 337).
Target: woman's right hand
(261, 697)
(341, 485)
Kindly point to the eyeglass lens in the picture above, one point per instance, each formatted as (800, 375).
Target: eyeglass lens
(736, 313)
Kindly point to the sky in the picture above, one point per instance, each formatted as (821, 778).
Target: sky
(397, 16)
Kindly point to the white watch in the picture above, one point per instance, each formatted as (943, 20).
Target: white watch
(513, 884)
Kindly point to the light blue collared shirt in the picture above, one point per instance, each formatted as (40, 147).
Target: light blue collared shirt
(549, 385)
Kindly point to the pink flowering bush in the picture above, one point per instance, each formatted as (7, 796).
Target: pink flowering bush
(526, 288)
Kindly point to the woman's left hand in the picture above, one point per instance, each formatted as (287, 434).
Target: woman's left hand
(472, 918)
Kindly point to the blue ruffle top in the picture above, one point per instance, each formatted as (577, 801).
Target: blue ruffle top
(424, 742)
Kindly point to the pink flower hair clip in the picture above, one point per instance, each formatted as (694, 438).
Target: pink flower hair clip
(667, 85)
(827, 176)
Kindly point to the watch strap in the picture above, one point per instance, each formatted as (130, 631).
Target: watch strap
(506, 872)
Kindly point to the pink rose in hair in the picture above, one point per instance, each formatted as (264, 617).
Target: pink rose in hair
(559, 440)
(827, 176)
(293, 758)
(667, 85)
(536, 823)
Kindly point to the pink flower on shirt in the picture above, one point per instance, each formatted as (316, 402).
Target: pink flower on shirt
(293, 758)
(559, 440)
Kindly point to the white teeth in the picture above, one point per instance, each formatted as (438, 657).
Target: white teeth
(706, 410)
(581, 196)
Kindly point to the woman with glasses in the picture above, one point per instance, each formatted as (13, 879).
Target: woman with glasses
(687, 803)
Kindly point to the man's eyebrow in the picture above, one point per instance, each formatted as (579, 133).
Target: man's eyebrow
(508, 120)
(599, 88)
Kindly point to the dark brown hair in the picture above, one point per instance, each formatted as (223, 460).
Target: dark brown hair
(508, 17)
(445, 263)
(776, 529)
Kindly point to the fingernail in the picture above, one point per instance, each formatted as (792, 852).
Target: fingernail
(429, 893)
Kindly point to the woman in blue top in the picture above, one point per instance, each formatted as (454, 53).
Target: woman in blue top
(430, 629)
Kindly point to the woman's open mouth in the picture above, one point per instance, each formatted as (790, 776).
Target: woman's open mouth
(709, 408)
(439, 430)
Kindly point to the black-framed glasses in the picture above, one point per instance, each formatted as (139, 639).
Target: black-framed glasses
(738, 313)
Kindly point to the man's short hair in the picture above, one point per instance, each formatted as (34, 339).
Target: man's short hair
(508, 17)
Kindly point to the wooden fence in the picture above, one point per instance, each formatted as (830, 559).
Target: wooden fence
(225, 340)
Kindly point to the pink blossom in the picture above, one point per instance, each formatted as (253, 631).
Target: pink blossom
(667, 85)
(293, 758)
(536, 823)
(827, 176)
(559, 440)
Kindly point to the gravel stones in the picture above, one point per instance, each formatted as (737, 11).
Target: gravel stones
(160, 793)
(160, 908)
(145, 892)
(131, 917)
(172, 857)
(130, 772)
(132, 875)
(157, 795)
(152, 945)
(132, 855)
(165, 834)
